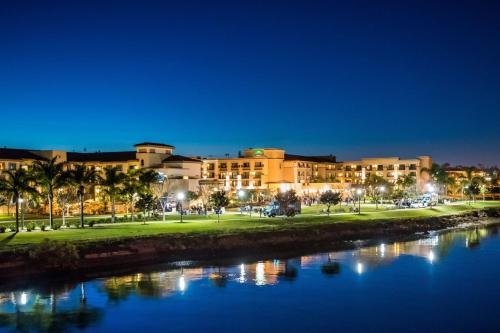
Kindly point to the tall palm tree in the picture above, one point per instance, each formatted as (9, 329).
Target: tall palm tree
(440, 176)
(15, 184)
(130, 189)
(111, 182)
(148, 178)
(82, 176)
(50, 176)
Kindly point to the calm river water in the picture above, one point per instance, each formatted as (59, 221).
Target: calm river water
(443, 283)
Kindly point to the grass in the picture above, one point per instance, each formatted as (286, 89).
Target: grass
(230, 223)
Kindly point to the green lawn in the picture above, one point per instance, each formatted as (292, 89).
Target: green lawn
(230, 223)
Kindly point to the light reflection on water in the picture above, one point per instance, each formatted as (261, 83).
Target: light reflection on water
(106, 304)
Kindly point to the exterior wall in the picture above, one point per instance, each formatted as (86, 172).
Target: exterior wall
(186, 170)
(258, 168)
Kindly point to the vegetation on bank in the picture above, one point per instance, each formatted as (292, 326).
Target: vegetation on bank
(229, 224)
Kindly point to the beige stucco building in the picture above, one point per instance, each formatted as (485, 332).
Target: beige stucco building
(273, 169)
(270, 169)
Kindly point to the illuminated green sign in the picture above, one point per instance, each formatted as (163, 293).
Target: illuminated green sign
(258, 152)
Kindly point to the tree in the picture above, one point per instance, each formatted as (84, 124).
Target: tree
(440, 176)
(130, 190)
(65, 196)
(407, 185)
(288, 201)
(111, 182)
(50, 176)
(219, 200)
(472, 190)
(15, 184)
(204, 193)
(330, 198)
(147, 178)
(83, 177)
(145, 203)
(374, 185)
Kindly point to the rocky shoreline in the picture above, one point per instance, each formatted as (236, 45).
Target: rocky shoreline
(104, 256)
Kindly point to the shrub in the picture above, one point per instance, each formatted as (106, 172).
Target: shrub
(30, 227)
(55, 255)
(91, 223)
(2, 229)
(43, 227)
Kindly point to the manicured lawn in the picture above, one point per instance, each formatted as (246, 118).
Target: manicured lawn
(230, 223)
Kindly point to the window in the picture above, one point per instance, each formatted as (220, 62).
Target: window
(413, 167)
(259, 165)
(380, 167)
(258, 175)
(246, 165)
(390, 167)
(12, 166)
(245, 175)
(223, 165)
(401, 167)
(358, 167)
(234, 165)
(211, 166)
(2, 166)
(142, 163)
(152, 151)
(413, 174)
(142, 150)
(348, 168)
(119, 167)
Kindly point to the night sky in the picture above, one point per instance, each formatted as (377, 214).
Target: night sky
(351, 78)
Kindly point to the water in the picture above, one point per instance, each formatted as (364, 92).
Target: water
(444, 283)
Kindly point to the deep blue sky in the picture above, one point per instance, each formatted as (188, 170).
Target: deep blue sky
(351, 78)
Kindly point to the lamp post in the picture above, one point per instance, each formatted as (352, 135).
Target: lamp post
(180, 197)
(21, 201)
(359, 192)
(241, 195)
(382, 190)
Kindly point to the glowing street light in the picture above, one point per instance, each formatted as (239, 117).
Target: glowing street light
(241, 196)
(180, 197)
(359, 192)
(382, 191)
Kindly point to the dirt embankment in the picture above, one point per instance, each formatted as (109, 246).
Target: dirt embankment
(106, 255)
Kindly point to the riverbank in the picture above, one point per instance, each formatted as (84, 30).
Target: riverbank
(118, 253)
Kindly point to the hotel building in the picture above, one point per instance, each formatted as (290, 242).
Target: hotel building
(273, 169)
(269, 169)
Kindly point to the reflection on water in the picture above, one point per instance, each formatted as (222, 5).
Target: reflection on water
(84, 305)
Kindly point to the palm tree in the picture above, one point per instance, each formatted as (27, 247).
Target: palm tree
(111, 182)
(130, 189)
(440, 176)
(148, 178)
(50, 176)
(82, 176)
(15, 184)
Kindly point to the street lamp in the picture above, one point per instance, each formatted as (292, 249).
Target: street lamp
(180, 197)
(382, 191)
(20, 201)
(241, 195)
(359, 192)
